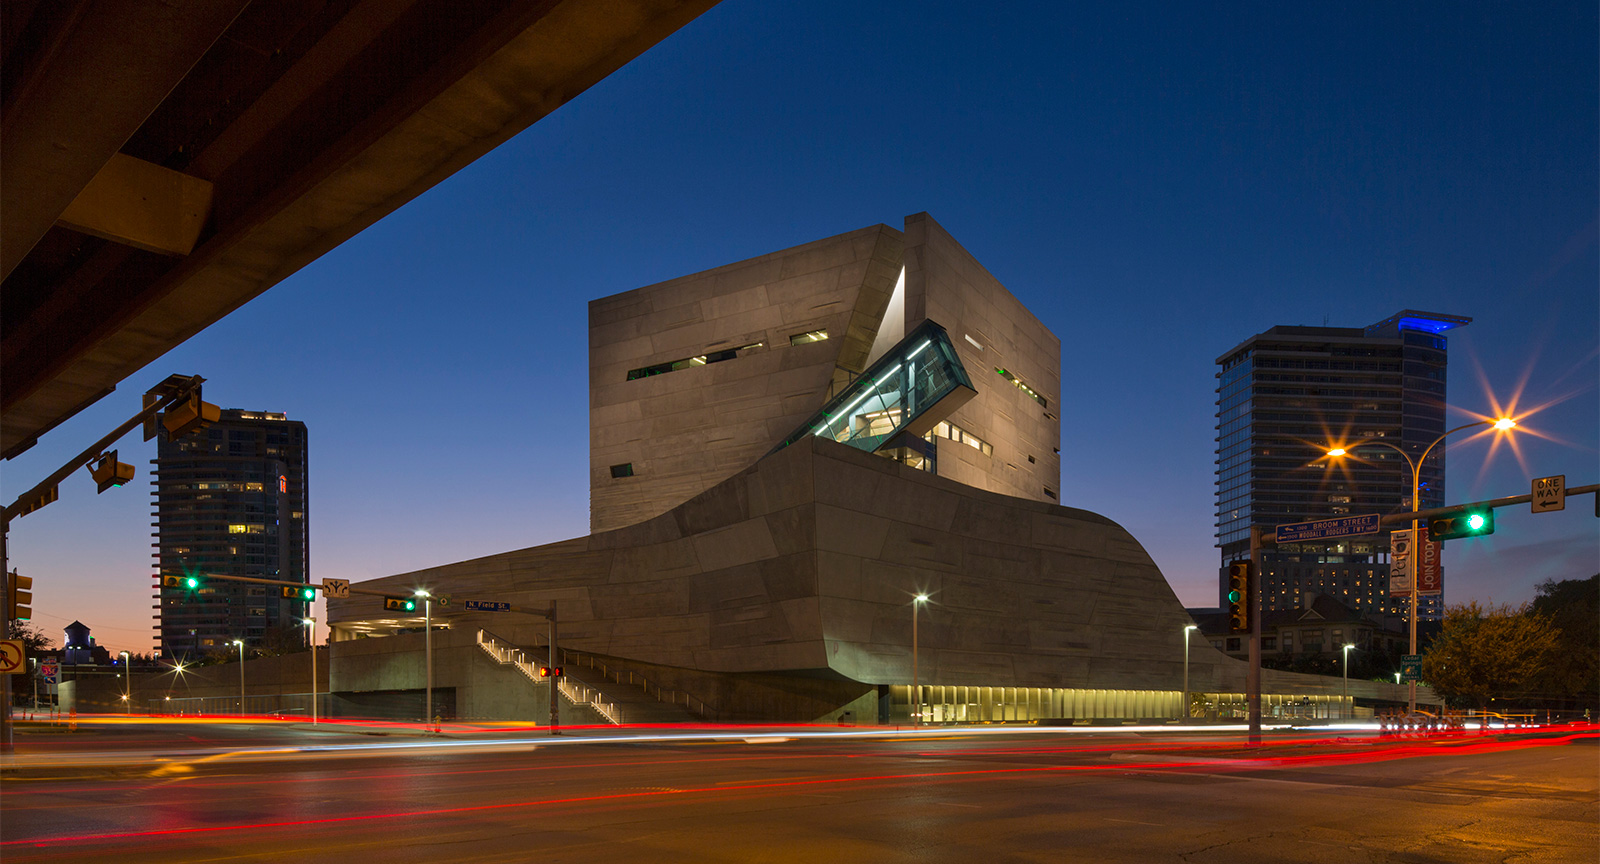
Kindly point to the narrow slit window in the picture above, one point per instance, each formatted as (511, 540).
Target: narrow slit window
(1009, 376)
(1050, 493)
(691, 362)
(808, 336)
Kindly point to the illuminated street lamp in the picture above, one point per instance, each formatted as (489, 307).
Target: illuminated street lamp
(1188, 710)
(916, 687)
(312, 623)
(127, 681)
(1346, 701)
(1504, 424)
(427, 649)
(240, 643)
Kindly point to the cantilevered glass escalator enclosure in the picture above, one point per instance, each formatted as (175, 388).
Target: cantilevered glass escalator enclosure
(913, 386)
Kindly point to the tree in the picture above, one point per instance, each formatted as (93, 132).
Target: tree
(1486, 653)
(1572, 679)
(33, 639)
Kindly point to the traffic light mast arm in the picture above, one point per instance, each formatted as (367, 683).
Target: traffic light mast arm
(99, 447)
(1425, 515)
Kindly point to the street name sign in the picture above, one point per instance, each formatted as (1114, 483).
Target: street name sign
(486, 606)
(1550, 493)
(336, 588)
(1323, 529)
(1411, 667)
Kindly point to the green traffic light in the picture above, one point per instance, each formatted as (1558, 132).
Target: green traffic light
(1475, 521)
(1233, 596)
(191, 582)
(308, 594)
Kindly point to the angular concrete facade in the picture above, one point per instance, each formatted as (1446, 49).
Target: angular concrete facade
(672, 434)
(747, 561)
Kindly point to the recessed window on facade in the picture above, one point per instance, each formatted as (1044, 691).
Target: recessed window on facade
(1009, 376)
(692, 362)
(956, 433)
(623, 470)
(808, 336)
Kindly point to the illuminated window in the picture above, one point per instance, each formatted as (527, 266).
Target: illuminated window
(238, 529)
(808, 336)
(691, 362)
(956, 433)
(1006, 374)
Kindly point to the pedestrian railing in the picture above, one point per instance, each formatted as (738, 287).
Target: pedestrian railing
(578, 694)
(628, 676)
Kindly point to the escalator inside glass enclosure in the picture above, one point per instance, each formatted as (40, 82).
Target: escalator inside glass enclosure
(897, 400)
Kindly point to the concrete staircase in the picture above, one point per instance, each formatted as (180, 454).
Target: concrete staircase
(620, 699)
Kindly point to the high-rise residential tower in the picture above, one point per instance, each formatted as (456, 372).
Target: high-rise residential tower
(1285, 395)
(231, 500)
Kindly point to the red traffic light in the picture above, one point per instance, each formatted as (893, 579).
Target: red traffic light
(549, 671)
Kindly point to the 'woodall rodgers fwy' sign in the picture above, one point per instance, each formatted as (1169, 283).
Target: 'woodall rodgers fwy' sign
(1323, 529)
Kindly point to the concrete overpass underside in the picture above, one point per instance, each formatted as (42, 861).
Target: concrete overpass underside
(163, 163)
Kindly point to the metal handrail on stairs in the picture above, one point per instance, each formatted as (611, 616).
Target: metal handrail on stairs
(670, 697)
(579, 694)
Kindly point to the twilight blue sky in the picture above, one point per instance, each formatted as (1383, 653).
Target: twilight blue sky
(1157, 182)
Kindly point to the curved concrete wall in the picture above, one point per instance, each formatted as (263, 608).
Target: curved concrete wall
(807, 562)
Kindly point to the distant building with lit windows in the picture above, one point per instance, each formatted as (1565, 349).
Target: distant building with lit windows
(1282, 397)
(231, 500)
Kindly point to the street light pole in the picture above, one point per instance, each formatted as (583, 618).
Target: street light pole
(916, 686)
(240, 643)
(1188, 712)
(427, 650)
(1504, 424)
(1346, 698)
(312, 623)
(127, 681)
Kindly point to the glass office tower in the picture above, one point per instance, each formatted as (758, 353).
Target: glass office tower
(1285, 395)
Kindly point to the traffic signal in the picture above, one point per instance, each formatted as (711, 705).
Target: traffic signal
(1461, 523)
(303, 593)
(19, 598)
(186, 582)
(1239, 573)
(549, 671)
(400, 604)
(108, 472)
(188, 417)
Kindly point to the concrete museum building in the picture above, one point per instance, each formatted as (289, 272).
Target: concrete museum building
(785, 453)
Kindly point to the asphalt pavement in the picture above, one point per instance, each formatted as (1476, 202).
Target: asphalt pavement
(278, 792)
